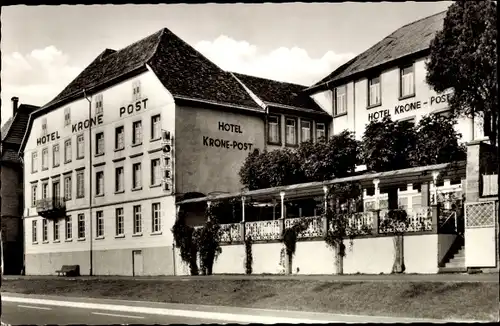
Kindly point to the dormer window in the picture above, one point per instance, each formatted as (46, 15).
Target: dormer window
(98, 104)
(136, 85)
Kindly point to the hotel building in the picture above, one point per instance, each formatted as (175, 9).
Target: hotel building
(138, 129)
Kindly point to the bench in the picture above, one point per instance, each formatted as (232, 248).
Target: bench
(69, 270)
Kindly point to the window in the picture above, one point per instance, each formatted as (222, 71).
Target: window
(119, 222)
(81, 226)
(99, 183)
(67, 151)
(340, 102)
(137, 219)
(274, 129)
(320, 131)
(155, 172)
(137, 132)
(34, 231)
(99, 224)
(80, 186)
(98, 104)
(44, 126)
(69, 228)
(80, 147)
(67, 187)
(136, 85)
(305, 130)
(119, 141)
(56, 155)
(34, 162)
(67, 117)
(99, 139)
(291, 132)
(45, 159)
(374, 91)
(119, 179)
(56, 230)
(33, 195)
(156, 218)
(136, 176)
(45, 231)
(407, 81)
(56, 189)
(155, 127)
(45, 190)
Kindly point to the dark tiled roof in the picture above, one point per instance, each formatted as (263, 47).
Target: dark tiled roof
(15, 132)
(5, 128)
(407, 40)
(185, 72)
(273, 92)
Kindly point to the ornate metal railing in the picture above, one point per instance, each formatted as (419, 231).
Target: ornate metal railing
(314, 228)
(263, 230)
(419, 219)
(362, 222)
(51, 207)
(230, 232)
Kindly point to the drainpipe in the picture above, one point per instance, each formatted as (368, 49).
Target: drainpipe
(90, 181)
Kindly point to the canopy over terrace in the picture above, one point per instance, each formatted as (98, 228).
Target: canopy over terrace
(419, 175)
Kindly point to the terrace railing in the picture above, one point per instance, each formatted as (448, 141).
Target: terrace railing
(263, 230)
(315, 228)
(231, 232)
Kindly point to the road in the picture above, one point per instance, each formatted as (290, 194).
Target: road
(32, 314)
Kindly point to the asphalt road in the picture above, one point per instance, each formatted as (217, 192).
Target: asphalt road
(27, 314)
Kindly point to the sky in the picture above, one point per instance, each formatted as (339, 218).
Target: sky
(43, 48)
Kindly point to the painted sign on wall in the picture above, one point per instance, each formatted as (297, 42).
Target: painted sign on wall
(131, 108)
(226, 143)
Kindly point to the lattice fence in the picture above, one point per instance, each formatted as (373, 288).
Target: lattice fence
(480, 214)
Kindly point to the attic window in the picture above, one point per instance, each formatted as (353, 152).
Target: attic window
(67, 116)
(44, 126)
(136, 85)
(98, 104)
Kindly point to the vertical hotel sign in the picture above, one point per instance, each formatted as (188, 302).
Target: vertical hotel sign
(167, 162)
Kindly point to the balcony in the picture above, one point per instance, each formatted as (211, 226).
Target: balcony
(52, 207)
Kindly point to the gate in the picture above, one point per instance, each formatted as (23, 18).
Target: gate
(481, 223)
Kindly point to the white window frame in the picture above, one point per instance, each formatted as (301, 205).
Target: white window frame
(119, 137)
(305, 130)
(67, 116)
(137, 132)
(99, 224)
(45, 190)
(44, 126)
(34, 162)
(80, 146)
(289, 129)
(320, 130)
(34, 231)
(340, 100)
(68, 154)
(375, 91)
(136, 90)
(119, 222)
(56, 189)
(56, 230)
(80, 184)
(119, 179)
(56, 155)
(99, 183)
(156, 218)
(67, 187)
(407, 81)
(45, 230)
(274, 130)
(81, 226)
(68, 228)
(156, 127)
(98, 104)
(45, 158)
(137, 175)
(137, 211)
(155, 172)
(34, 188)
(99, 143)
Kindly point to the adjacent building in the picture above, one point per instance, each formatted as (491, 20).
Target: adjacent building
(139, 128)
(11, 189)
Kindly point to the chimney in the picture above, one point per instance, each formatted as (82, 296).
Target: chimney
(15, 101)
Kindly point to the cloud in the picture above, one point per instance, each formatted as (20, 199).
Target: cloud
(36, 78)
(285, 64)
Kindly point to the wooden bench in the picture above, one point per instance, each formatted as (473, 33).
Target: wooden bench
(69, 270)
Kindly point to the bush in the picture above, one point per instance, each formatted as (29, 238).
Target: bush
(249, 257)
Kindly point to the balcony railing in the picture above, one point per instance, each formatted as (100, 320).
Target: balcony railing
(52, 207)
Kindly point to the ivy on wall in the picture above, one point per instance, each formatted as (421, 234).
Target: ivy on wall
(248, 255)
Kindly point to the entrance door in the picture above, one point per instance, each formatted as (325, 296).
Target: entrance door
(137, 262)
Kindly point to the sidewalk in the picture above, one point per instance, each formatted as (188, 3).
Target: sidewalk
(482, 277)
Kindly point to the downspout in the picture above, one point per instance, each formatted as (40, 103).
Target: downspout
(90, 181)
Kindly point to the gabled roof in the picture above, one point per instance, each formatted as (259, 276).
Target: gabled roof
(5, 128)
(13, 131)
(185, 72)
(279, 94)
(407, 40)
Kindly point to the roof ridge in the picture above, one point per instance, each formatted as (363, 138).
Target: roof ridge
(418, 20)
(274, 80)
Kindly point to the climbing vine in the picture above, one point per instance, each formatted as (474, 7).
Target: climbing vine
(396, 222)
(249, 257)
(184, 240)
(290, 236)
(208, 241)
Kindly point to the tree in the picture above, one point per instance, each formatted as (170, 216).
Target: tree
(463, 57)
(437, 142)
(387, 144)
(396, 222)
(337, 157)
